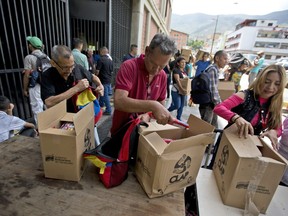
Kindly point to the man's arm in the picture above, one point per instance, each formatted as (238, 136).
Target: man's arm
(26, 81)
(99, 88)
(53, 100)
(123, 103)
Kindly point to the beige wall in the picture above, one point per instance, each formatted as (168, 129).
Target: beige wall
(148, 18)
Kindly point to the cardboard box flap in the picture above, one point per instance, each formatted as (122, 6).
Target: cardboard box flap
(198, 126)
(271, 154)
(157, 142)
(154, 126)
(201, 139)
(245, 147)
(51, 116)
(271, 160)
(81, 118)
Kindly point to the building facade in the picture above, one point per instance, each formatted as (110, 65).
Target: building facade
(251, 36)
(181, 38)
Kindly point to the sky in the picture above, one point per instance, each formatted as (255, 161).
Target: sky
(218, 7)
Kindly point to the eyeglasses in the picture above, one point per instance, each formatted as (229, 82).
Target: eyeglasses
(66, 68)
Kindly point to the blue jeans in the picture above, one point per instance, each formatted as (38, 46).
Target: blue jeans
(178, 101)
(105, 98)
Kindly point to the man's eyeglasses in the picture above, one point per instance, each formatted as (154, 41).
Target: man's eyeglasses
(66, 68)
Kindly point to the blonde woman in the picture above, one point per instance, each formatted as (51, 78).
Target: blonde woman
(258, 110)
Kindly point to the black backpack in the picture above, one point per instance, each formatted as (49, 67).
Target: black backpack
(200, 85)
(42, 64)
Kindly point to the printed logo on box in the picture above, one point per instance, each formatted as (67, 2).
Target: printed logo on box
(181, 169)
(57, 159)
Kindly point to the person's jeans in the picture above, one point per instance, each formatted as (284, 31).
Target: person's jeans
(177, 103)
(105, 99)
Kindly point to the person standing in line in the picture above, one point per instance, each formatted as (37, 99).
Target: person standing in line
(177, 91)
(202, 64)
(258, 62)
(189, 66)
(141, 84)
(79, 57)
(35, 46)
(206, 110)
(104, 70)
(91, 63)
(132, 53)
(238, 66)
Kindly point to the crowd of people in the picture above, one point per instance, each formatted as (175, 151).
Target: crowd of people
(143, 84)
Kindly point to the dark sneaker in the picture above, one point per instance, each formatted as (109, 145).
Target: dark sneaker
(107, 113)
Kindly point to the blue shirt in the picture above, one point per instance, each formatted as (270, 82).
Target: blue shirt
(201, 66)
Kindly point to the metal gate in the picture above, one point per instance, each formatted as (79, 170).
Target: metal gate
(47, 20)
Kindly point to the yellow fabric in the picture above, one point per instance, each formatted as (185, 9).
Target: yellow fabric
(85, 97)
(97, 162)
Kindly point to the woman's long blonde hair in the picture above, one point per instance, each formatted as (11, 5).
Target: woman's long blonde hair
(275, 107)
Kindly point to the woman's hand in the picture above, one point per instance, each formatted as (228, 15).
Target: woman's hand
(244, 127)
(272, 135)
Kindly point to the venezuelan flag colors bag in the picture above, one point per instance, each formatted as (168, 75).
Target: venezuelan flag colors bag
(112, 157)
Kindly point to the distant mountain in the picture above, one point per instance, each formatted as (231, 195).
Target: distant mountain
(199, 25)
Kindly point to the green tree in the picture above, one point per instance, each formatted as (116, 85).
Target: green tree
(195, 44)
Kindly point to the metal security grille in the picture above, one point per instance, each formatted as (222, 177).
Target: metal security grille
(47, 20)
(92, 32)
(121, 27)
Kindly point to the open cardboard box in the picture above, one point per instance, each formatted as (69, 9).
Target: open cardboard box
(62, 150)
(163, 168)
(153, 126)
(247, 165)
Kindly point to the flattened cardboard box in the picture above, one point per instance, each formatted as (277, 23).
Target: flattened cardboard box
(163, 168)
(243, 165)
(226, 89)
(62, 150)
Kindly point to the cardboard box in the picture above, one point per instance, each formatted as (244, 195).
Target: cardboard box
(200, 53)
(163, 168)
(226, 89)
(247, 165)
(186, 84)
(153, 126)
(62, 150)
(186, 53)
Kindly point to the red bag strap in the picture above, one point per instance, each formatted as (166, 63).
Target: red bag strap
(124, 151)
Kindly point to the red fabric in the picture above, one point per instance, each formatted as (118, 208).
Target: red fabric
(133, 77)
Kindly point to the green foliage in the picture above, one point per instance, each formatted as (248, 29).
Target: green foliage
(195, 44)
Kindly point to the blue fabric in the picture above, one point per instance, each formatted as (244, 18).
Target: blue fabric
(177, 103)
(201, 66)
(96, 107)
(105, 100)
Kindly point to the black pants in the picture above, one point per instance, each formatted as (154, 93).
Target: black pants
(30, 132)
